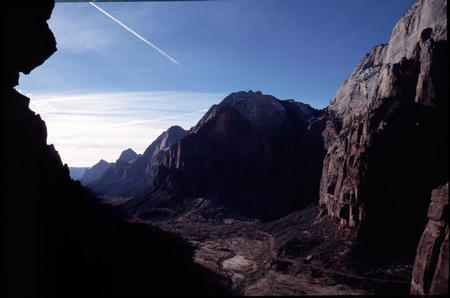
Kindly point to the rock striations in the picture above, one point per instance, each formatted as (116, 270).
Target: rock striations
(157, 152)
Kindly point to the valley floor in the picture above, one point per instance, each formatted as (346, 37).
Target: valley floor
(299, 254)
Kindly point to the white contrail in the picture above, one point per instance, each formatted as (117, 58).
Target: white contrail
(134, 33)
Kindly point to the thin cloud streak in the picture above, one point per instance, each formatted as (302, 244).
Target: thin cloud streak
(135, 34)
(88, 127)
(133, 123)
(154, 120)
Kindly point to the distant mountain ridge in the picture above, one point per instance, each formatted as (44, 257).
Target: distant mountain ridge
(132, 172)
(95, 172)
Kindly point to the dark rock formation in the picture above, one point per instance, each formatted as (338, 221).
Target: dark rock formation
(132, 172)
(387, 137)
(252, 155)
(431, 268)
(20, 22)
(95, 172)
(56, 239)
(76, 173)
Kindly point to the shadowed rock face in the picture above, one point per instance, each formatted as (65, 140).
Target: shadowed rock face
(57, 240)
(387, 136)
(27, 32)
(252, 155)
(430, 274)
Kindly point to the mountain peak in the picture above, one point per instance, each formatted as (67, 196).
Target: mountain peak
(262, 110)
(128, 155)
(171, 136)
(95, 172)
(245, 94)
(255, 106)
(175, 130)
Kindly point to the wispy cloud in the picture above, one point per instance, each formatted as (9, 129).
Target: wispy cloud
(134, 33)
(87, 127)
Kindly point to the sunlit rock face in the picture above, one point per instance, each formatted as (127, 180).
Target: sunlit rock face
(387, 136)
(252, 154)
(157, 152)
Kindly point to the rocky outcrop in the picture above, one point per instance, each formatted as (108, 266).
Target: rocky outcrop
(431, 268)
(132, 172)
(387, 136)
(95, 172)
(251, 155)
(56, 239)
(23, 22)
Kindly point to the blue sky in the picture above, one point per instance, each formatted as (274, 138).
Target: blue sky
(123, 93)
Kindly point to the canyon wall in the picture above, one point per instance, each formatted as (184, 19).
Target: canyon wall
(387, 147)
(387, 131)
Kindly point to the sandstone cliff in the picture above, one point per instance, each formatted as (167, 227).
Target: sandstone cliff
(387, 139)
